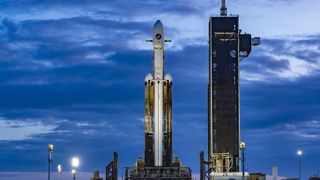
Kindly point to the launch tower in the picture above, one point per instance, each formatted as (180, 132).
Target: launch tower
(227, 47)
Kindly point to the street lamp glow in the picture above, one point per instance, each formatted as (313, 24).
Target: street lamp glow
(299, 153)
(50, 147)
(73, 171)
(75, 162)
(59, 168)
(242, 145)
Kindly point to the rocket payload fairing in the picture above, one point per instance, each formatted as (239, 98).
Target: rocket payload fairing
(158, 104)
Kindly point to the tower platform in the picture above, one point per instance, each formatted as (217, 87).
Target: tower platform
(164, 173)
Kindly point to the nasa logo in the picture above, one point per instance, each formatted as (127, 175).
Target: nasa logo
(158, 36)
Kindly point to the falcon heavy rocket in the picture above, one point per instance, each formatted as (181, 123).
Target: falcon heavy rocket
(158, 103)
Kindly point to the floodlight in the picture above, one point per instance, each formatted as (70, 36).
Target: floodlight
(59, 168)
(242, 145)
(50, 147)
(75, 162)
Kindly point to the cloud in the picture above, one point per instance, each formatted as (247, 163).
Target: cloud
(283, 59)
(115, 8)
(37, 45)
(301, 131)
(13, 130)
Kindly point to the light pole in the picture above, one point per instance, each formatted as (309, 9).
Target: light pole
(59, 168)
(299, 152)
(74, 174)
(50, 150)
(75, 163)
(242, 148)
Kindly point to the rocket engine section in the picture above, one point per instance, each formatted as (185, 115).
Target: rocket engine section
(158, 106)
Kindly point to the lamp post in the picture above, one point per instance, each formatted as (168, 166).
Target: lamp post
(242, 148)
(50, 150)
(59, 168)
(75, 163)
(74, 174)
(299, 152)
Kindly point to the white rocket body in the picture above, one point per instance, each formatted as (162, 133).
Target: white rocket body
(158, 78)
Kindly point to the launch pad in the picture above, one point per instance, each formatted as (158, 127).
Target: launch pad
(227, 47)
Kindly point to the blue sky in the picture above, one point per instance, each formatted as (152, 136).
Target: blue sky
(72, 73)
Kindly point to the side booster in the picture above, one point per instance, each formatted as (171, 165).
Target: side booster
(158, 103)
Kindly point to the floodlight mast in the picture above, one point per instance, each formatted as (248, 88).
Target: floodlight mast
(73, 171)
(75, 163)
(50, 150)
(242, 148)
(299, 158)
(59, 169)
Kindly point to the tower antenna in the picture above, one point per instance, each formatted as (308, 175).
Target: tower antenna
(223, 10)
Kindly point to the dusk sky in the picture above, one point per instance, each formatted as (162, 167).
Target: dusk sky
(72, 74)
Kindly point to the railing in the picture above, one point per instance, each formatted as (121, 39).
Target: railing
(182, 173)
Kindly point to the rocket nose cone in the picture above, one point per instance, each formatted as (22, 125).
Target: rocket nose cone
(158, 25)
(158, 33)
